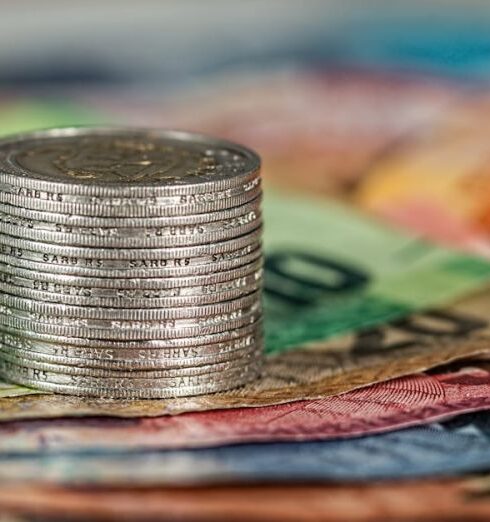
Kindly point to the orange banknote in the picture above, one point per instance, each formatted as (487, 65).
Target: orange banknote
(438, 182)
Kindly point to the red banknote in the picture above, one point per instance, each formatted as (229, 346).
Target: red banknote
(382, 407)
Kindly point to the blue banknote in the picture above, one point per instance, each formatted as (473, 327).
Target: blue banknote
(459, 446)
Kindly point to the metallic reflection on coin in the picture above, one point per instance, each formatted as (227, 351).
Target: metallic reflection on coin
(130, 263)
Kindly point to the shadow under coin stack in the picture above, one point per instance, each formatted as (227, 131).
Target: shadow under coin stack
(131, 263)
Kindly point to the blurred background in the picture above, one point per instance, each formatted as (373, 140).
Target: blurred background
(383, 104)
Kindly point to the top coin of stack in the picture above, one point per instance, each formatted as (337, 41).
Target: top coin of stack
(131, 262)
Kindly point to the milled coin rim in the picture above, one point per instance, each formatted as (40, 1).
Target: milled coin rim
(80, 197)
(129, 394)
(129, 222)
(114, 301)
(130, 208)
(126, 380)
(210, 341)
(228, 245)
(137, 242)
(29, 360)
(205, 266)
(254, 267)
(126, 362)
(17, 304)
(102, 335)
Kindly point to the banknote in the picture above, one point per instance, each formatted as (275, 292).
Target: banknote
(398, 348)
(317, 130)
(13, 390)
(25, 114)
(330, 270)
(437, 182)
(391, 501)
(460, 445)
(398, 403)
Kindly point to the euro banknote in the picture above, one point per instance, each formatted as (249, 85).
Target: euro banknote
(388, 406)
(388, 501)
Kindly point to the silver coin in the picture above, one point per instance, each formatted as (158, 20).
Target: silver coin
(28, 228)
(13, 371)
(132, 298)
(143, 207)
(27, 218)
(29, 360)
(131, 365)
(18, 246)
(193, 323)
(172, 345)
(186, 235)
(126, 298)
(131, 330)
(130, 393)
(132, 359)
(97, 194)
(130, 161)
(14, 305)
(99, 286)
(211, 266)
(98, 378)
(143, 350)
(198, 260)
(98, 327)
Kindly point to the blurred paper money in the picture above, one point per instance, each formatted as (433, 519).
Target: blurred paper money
(21, 115)
(387, 406)
(410, 149)
(400, 500)
(458, 446)
(316, 130)
(437, 183)
(330, 270)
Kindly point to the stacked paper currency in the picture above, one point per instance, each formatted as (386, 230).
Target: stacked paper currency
(130, 263)
(355, 313)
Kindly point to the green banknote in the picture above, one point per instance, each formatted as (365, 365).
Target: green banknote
(26, 115)
(330, 270)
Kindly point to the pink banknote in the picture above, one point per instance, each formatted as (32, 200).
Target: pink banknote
(387, 406)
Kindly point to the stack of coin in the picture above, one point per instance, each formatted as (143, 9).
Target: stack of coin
(131, 263)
